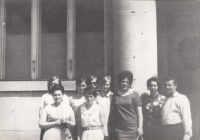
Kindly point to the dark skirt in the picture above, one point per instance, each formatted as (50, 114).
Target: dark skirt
(125, 136)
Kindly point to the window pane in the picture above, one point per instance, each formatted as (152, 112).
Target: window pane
(53, 38)
(90, 37)
(18, 40)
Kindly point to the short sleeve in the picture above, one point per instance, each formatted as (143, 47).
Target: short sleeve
(71, 112)
(66, 99)
(42, 101)
(78, 113)
(136, 98)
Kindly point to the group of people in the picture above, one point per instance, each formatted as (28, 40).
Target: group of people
(93, 114)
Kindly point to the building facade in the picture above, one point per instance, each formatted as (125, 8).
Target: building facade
(42, 38)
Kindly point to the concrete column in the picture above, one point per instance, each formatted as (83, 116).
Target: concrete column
(135, 39)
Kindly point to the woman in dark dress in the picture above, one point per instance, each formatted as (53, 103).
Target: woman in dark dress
(152, 109)
(126, 116)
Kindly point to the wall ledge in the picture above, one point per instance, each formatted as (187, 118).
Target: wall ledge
(32, 85)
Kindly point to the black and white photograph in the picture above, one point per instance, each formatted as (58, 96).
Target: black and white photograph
(99, 69)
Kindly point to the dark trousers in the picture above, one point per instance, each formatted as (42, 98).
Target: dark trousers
(171, 132)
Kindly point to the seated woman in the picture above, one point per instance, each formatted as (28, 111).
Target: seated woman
(90, 118)
(57, 117)
(152, 109)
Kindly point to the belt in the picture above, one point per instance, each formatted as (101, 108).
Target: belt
(91, 128)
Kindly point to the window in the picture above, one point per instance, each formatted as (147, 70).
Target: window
(53, 38)
(42, 38)
(18, 40)
(90, 37)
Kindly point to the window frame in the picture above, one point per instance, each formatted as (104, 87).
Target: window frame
(36, 40)
(35, 84)
(69, 83)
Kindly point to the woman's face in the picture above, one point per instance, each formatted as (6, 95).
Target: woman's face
(153, 87)
(125, 84)
(93, 84)
(89, 98)
(54, 82)
(57, 96)
(81, 87)
(106, 87)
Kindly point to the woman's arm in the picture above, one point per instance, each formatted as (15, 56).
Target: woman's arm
(40, 111)
(72, 120)
(140, 120)
(102, 117)
(44, 124)
(79, 126)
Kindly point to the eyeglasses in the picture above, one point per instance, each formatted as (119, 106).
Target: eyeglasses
(93, 83)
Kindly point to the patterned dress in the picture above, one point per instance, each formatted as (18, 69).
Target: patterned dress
(152, 115)
(91, 117)
(58, 132)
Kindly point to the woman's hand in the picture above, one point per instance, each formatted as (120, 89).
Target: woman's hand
(58, 122)
(52, 118)
(140, 131)
(186, 137)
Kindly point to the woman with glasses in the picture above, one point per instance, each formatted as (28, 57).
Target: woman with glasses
(92, 82)
(126, 116)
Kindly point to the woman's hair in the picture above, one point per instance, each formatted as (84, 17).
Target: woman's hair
(125, 74)
(58, 87)
(106, 79)
(90, 91)
(88, 81)
(155, 80)
(50, 81)
(80, 80)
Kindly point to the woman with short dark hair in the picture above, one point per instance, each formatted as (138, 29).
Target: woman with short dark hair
(90, 117)
(152, 109)
(48, 99)
(126, 116)
(57, 118)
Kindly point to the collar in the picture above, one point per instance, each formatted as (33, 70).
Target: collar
(107, 94)
(154, 95)
(175, 94)
(120, 93)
